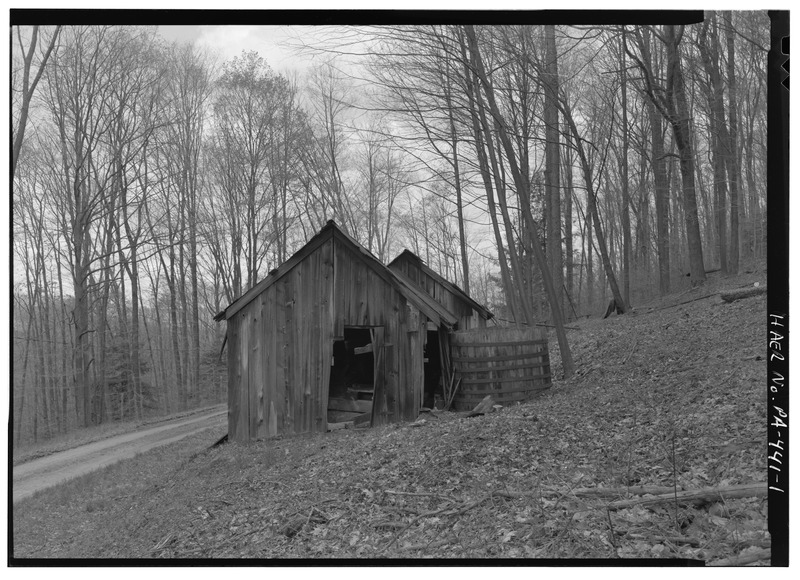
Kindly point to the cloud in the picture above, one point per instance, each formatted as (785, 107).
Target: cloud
(229, 41)
(179, 33)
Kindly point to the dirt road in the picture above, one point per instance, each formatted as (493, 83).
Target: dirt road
(44, 472)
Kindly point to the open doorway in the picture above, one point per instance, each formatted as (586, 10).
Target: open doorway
(352, 383)
(433, 370)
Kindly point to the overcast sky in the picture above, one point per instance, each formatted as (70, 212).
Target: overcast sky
(229, 41)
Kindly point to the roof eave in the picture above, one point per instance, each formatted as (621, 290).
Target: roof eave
(278, 273)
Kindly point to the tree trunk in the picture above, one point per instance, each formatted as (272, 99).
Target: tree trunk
(195, 313)
(522, 185)
(552, 163)
(570, 258)
(590, 264)
(28, 89)
(180, 281)
(718, 139)
(732, 159)
(643, 232)
(46, 367)
(508, 287)
(519, 300)
(82, 353)
(626, 216)
(18, 416)
(64, 351)
(135, 350)
(175, 331)
(462, 238)
(661, 185)
(593, 214)
(682, 130)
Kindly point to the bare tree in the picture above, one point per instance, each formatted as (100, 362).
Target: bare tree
(623, 163)
(189, 90)
(418, 72)
(592, 212)
(79, 92)
(549, 76)
(708, 44)
(732, 158)
(383, 179)
(523, 186)
(324, 157)
(28, 85)
(670, 100)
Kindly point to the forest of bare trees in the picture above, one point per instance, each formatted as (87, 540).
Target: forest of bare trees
(544, 169)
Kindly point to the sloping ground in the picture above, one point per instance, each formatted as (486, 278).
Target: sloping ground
(671, 398)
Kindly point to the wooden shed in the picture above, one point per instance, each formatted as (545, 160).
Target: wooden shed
(331, 335)
(470, 313)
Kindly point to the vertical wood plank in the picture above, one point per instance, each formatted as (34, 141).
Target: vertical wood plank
(379, 402)
(300, 348)
(277, 393)
(290, 358)
(254, 353)
(234, 377)
(266, 338)
(243, 425)
(325, 338)
(400, 346)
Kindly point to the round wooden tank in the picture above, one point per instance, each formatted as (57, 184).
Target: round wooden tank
(511, 364)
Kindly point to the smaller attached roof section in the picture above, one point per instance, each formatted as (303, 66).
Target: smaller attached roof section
(410, 256)
(427, 305)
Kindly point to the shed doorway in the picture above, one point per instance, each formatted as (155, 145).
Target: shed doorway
(351, 390)
(437, 363)
(433, 371)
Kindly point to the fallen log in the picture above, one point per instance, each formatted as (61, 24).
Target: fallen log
(698, 497)
(684, 302)
(601, 492)
(746, 293)
(749, 558)
(665, 539)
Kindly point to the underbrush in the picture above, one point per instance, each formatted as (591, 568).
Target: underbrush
(663, 401)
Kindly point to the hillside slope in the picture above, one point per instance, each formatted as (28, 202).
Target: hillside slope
(670, 398)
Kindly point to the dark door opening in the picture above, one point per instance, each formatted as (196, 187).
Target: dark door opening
(352, 382)
(433, 370)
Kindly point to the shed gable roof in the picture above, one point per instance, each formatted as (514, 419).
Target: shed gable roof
(432, 309)
(412, 257)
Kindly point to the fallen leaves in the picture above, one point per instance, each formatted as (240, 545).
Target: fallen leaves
(660, 403)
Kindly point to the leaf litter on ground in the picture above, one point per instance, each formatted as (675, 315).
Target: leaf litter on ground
(670, 397)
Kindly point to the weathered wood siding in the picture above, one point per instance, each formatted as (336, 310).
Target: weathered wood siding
(467, 317)
(281, 345)
(362, 297)
(511, 364)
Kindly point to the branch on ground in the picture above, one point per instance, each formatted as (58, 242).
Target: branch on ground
(697, 498)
